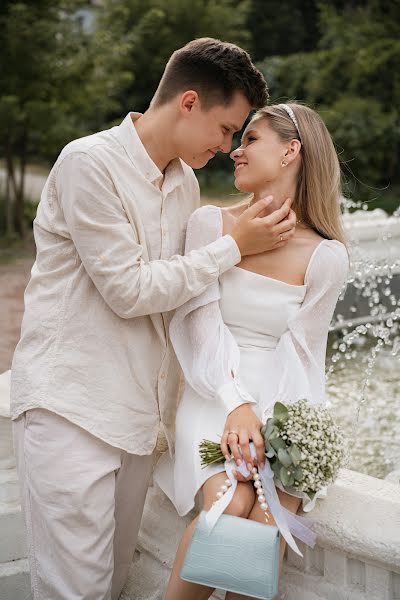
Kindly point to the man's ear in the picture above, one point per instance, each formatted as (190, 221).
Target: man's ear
(188, 100)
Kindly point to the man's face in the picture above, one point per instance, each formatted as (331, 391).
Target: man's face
(202, 133)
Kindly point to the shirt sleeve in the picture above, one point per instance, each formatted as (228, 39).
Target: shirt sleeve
(109, 249)
(300, 354)
(206, 349)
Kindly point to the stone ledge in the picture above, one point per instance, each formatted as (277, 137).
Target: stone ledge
(357, 556)
(9, 487)
(147, 578)
(298, 585)
(361, 518)
(15, 580)
(13, 540)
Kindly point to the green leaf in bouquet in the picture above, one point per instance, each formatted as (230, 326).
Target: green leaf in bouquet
(274, 434)
(269, 427)
(269, 451)
(284, 457)
(295, 454)
(276, 467)
(298, 474)
(286, 476)
(277, 443)
(280, 412)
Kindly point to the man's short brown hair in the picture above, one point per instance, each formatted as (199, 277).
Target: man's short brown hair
(216, 71)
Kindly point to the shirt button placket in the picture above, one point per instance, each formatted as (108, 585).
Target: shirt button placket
(164, 232)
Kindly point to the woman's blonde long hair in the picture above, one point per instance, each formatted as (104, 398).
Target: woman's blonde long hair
(318, 193)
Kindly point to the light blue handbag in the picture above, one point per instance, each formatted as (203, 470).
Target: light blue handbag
(238, 555)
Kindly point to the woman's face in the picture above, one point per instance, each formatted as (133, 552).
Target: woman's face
(258, 161)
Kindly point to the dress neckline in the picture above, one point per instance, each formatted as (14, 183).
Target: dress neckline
(305, 274)
(292, 285)
(219, 210)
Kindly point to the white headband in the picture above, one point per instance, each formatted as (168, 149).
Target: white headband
(291, 115)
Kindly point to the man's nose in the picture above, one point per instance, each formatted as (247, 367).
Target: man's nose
(226, 146)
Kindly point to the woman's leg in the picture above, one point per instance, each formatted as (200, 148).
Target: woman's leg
(291, 503)
(241, 505)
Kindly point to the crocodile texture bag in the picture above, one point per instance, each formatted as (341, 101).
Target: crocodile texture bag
(238, 555)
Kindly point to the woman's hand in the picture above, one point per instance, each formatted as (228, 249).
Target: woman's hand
(242, 426)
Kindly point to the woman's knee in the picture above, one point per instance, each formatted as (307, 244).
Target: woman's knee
(242, 501)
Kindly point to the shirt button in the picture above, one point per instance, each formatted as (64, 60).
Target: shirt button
(162, 376)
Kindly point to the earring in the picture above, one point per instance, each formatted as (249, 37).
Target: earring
(284, 163)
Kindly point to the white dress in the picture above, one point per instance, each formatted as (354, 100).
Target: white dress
(271, 335)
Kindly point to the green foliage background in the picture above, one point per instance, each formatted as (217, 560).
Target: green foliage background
(352, 78)
(60, 80)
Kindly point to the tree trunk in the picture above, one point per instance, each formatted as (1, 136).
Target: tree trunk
(17, 188)
(11, 186)
(8, 208)
(20, 192)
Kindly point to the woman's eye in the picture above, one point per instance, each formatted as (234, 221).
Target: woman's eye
(250, 139)
(225, 129)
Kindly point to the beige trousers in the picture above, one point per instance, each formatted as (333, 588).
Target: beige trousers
(83, 501)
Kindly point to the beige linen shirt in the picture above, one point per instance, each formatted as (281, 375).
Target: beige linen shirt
(108, 275)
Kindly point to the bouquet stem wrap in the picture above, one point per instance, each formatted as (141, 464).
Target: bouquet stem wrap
(288, 523)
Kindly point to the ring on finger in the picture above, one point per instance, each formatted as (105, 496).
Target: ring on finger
(281, 238)
(234, 432)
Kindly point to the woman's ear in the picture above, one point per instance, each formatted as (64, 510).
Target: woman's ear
(292, 150)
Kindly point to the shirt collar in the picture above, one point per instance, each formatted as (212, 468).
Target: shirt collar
(136, 151)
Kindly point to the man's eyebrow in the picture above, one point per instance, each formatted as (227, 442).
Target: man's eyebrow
(248, 132)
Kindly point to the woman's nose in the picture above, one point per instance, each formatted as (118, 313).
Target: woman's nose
(236, 153)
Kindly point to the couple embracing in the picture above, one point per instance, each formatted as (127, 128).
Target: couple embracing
(134, 282)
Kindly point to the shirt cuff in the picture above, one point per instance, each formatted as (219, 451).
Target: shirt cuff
(232, 395)
(226, 253)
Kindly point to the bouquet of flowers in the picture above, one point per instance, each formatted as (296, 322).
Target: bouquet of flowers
(303, 445)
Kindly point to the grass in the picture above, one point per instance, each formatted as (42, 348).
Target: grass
(13, 249)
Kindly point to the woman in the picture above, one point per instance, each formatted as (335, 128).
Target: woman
(273, 311)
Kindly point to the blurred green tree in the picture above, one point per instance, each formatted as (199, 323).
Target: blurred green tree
(353, 79)
(59, 81)
(152, 30)
(282, 27)
(56, 81)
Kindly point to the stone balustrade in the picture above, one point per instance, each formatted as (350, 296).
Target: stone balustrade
(357, 556)
(14, 574)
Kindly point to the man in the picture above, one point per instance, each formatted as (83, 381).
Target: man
(94, 375)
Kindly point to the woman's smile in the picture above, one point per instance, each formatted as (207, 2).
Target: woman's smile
(239, 165)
